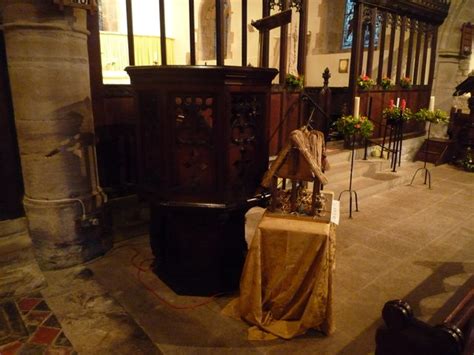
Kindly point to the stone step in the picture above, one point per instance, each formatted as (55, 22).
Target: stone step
(337, 154)
(373, 183)
(341, 171)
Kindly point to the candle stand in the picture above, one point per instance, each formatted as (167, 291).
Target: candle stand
(350, 182)
(424, 168)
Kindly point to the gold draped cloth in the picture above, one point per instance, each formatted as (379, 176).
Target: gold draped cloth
(286, 283)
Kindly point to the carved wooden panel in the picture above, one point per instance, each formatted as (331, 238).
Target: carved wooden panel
(194, 122)
(246, 115)
(149, 131)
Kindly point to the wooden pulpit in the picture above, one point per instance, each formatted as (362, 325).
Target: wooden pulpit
(203, 134)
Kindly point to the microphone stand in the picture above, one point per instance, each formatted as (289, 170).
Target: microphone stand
(350, 182)
(427, 171)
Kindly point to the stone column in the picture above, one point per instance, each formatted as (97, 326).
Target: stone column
(49, 76)
(19, 271)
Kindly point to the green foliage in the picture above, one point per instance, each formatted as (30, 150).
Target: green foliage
(405, 82)
(365, 82)
(349, 125)
(386, 83)
(468, 162)
(436, 116)
(396, 114)
(294, 82)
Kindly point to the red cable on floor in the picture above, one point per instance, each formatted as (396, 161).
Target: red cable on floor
(140, 269)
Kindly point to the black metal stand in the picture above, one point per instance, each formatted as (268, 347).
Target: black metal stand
(427, 171)
(350, 182)
(397, 145)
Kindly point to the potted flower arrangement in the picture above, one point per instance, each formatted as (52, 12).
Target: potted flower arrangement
(394, 114)
(436, 116)
(386, 83)
(293, 82)
(365, 82)
(397, 114)
(356, 127)
(405, 82)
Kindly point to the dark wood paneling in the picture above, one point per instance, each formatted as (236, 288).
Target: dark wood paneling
(416, 98)
(95, 68)
(163, 32)
(244, 33)
(283, 47)
(302, 45)
(434, 41)
(391, 50)
(266, 36)
(362, 50)
(370, 53)
(285, 116)
(383, 35)
(192, 39)
(410, 49)
(275, 114)
(220, 32)
(416, 69)
(357, 42)
(130, 39)
(401, 47)
(424, 63)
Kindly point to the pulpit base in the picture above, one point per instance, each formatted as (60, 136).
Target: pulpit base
(199, 248)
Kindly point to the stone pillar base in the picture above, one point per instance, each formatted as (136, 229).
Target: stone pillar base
(19, 271)
(64, 233)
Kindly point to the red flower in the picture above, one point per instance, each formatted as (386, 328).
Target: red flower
(357, 126)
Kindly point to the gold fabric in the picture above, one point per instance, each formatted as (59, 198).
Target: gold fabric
(286, 283)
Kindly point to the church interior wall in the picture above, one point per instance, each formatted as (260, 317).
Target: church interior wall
(451, 67)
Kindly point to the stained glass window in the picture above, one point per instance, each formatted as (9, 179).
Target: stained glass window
(349, 28)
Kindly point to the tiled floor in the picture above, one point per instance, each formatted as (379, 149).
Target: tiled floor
(43, 333)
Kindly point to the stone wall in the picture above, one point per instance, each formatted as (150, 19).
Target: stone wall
(451, 67)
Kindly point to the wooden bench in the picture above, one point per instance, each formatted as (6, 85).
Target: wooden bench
(407, 335)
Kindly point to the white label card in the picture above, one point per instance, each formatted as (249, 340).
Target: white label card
(335, 211)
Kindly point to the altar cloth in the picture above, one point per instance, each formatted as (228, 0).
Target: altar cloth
(286, 283)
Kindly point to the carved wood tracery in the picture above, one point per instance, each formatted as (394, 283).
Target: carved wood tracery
(408, 31)
(246, 113)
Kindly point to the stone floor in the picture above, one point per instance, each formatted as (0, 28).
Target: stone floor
(32, 328)
(409, 242)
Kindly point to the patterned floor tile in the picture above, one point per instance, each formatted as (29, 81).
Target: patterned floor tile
(35, 318)
(37, 330)
(27, 304)
(42, 306)
(12, 326)
(32, 349)
(52, 322)
(11, 348)
(44, 335)
(62, 340)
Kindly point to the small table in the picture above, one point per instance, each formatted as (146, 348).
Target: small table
(286, 284)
